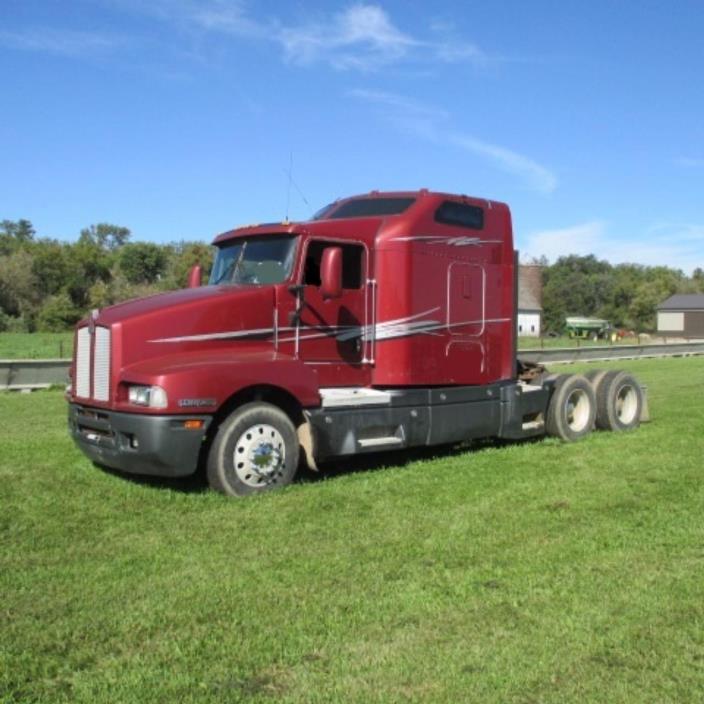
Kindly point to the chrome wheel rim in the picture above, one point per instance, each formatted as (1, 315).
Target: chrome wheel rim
(626, 404)
(260, 456)
(577, 410)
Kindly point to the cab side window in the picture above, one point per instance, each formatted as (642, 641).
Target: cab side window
(352, 263)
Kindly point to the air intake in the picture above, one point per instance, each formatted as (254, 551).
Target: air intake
(101, 365)
(82, 381)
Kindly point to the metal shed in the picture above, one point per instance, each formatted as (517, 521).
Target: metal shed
(683, 315)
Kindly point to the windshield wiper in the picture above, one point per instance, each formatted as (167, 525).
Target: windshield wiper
(232, 268)
(225, 274)
(238, 262)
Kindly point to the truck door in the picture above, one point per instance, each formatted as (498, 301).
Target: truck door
(465, 300)
(466, 322)
(331, 330)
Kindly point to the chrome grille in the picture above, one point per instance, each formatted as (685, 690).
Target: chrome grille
(101, 365)
(82, 380)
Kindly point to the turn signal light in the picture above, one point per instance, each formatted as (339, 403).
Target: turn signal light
(193, 424)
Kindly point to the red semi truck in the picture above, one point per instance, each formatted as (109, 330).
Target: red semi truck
(386, 321)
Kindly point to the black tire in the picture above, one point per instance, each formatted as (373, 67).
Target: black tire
(619, 402)
(571, 409)
(255, 450)
(595, 377)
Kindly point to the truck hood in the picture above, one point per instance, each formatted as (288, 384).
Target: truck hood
(209, 318)
(164, 301)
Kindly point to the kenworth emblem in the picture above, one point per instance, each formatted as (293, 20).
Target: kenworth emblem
(196, 402)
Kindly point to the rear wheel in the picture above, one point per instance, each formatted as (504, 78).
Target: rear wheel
(595, 377)
(619, 402)
(256, 449)
(572, 408)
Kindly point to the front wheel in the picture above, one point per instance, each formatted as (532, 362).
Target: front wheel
(256, 449)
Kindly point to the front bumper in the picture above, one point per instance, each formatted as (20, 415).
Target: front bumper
(138, 444)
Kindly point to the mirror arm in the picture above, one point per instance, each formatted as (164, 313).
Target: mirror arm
(297, 290)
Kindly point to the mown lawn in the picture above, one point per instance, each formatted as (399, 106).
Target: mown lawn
(536, 343)
(537, 572)
(36, 345)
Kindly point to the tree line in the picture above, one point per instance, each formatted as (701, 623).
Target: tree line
(627, 295)
(48, 285)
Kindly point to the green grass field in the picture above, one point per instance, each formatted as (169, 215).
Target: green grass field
(535, 572)
(36, 345)
(532, 343)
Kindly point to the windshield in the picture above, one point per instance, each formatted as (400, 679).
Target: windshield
(254, 260)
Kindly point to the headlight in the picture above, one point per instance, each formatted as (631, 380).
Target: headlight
(151, 396)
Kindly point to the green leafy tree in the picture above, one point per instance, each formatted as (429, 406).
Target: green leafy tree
(19, 293)
(100, 294)
(58, 313)
(574, 285)
(182, 257)
(142, 262)
(105, 235)
(14, 235)
(49, 266)
(627, 294)
(88, 263)
(122, 290)
(698, 279)
(659, 283)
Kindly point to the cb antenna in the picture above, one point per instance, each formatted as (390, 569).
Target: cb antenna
(291, 182)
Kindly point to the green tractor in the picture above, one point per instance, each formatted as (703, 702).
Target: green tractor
(590, 329)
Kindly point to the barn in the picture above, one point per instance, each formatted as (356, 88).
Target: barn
(530, 295)
(682, 315)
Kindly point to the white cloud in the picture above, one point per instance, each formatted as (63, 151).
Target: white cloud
(424, 121)
(458, 53)
(220, 16)
(536, 176)
(586, 238)
(59, 41)
(406, 114)
(680, 246)
(228, 17)
(400, 102)
(452, 49)
(363, 36)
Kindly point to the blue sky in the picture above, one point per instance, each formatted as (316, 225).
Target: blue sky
(178, 118)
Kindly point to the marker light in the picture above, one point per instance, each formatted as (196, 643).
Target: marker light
(151, 396)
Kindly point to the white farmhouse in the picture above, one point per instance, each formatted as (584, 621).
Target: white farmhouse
(530, 296)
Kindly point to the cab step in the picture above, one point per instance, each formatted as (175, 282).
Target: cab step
(388, 441)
